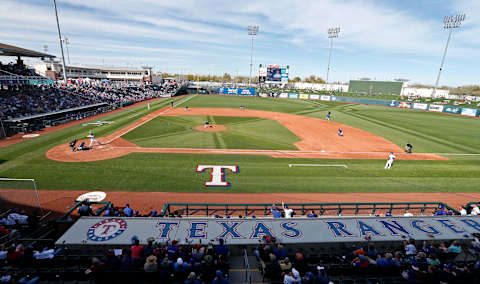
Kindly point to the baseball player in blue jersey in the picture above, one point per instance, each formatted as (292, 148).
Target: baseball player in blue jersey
(340, 132)
(328, 116)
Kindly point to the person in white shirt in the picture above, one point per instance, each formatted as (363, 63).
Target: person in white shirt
(93, 140)
(475, 210)
(390, 159)
(463, 211)
(408, 214)
(288, 211)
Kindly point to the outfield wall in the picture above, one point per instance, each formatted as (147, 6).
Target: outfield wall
(121, 230)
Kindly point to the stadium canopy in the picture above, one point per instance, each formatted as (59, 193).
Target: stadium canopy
(10, 50)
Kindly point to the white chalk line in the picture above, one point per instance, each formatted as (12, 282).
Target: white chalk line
(149, 119)
(316, 165)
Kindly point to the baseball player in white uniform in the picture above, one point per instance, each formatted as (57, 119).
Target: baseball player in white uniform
(93, 140)
(390, 159)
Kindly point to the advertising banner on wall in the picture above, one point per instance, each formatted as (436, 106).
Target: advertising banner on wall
(404, 105)
(236, 91)
(452, 109)
(420, 106)
(393, 103)
(303, 96)
(314, 97)
(469, 111)
(283, 95)
(120, 230)
(293, 96)
(325, 98)
(436, 108)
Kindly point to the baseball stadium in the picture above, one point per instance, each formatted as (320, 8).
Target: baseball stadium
(111, 175)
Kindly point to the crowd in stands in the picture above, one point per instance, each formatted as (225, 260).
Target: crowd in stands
(16, 69)
(425, 262)
(27, 100)
(167, 262)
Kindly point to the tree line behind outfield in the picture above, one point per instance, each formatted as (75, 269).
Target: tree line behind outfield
(226, 77)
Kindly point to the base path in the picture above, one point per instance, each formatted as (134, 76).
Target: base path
(319, 139)
(58, 200)
(19, 137)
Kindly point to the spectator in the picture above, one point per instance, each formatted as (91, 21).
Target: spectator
(454, 248)
(276, 213)
(410, 249)
(312, 214)
(219, 278)
(128, 211)
(475, 210)
(288, 211)
(321, 277)
(221, 249)
(137, 250)
(280, 252)
(463, 211)
(408, 214)
(127, 260)
(85, 209)
(150, 264)
(149, 248)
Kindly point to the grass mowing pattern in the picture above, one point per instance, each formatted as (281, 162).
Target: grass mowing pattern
(242, 133)
(429, 132)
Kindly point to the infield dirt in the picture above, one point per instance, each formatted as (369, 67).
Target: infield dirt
(319, 139)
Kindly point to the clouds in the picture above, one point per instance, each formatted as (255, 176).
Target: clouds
(212, 34)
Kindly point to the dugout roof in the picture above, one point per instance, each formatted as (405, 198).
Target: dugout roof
(10, 50)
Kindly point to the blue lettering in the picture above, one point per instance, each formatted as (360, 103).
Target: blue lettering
(452, 227)
(472, 223)
(339, 229)
(165, 228)
(426, 229)
(394, 227)
(230, 230)
(364, 228)
(197, 230)
(291, 232)
(261, 229)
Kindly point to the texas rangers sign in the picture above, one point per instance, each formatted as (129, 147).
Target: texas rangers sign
(244, 231)
(106, 229)
(217, 174)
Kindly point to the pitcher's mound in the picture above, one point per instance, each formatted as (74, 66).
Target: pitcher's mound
(211, 128)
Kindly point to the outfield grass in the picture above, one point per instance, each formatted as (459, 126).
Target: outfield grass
(241, 133)
(428, 132)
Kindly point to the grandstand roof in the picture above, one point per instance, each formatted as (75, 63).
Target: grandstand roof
(10, 50)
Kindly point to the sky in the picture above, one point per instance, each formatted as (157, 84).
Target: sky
(379, 39)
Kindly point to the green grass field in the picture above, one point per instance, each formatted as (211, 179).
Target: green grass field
(428, 132)
(241, 133)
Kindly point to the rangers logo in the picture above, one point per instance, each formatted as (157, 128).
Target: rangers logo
(107, 229)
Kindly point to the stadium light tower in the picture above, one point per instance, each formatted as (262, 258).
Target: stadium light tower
(332, 33)
(449, 23)
(253, 31)
(67, 42)
(60, 40)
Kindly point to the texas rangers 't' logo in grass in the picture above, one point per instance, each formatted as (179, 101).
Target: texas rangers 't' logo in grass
(107, 229)
(218, 174)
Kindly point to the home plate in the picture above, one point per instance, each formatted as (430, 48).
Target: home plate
(316, 165)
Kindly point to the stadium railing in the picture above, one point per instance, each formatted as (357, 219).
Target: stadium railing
(263, 209)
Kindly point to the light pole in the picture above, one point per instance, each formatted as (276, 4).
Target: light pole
(67, 42)
(449, 23)
(332, 33)
(60, 40)
(253, 31)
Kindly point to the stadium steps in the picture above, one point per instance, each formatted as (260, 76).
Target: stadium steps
(238, 273)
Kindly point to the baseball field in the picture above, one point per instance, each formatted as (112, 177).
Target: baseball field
(157, 149)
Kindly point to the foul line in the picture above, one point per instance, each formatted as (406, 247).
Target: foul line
(316, 165)
(147, 120)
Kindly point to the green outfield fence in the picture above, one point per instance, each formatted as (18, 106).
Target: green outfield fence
(263, 209)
